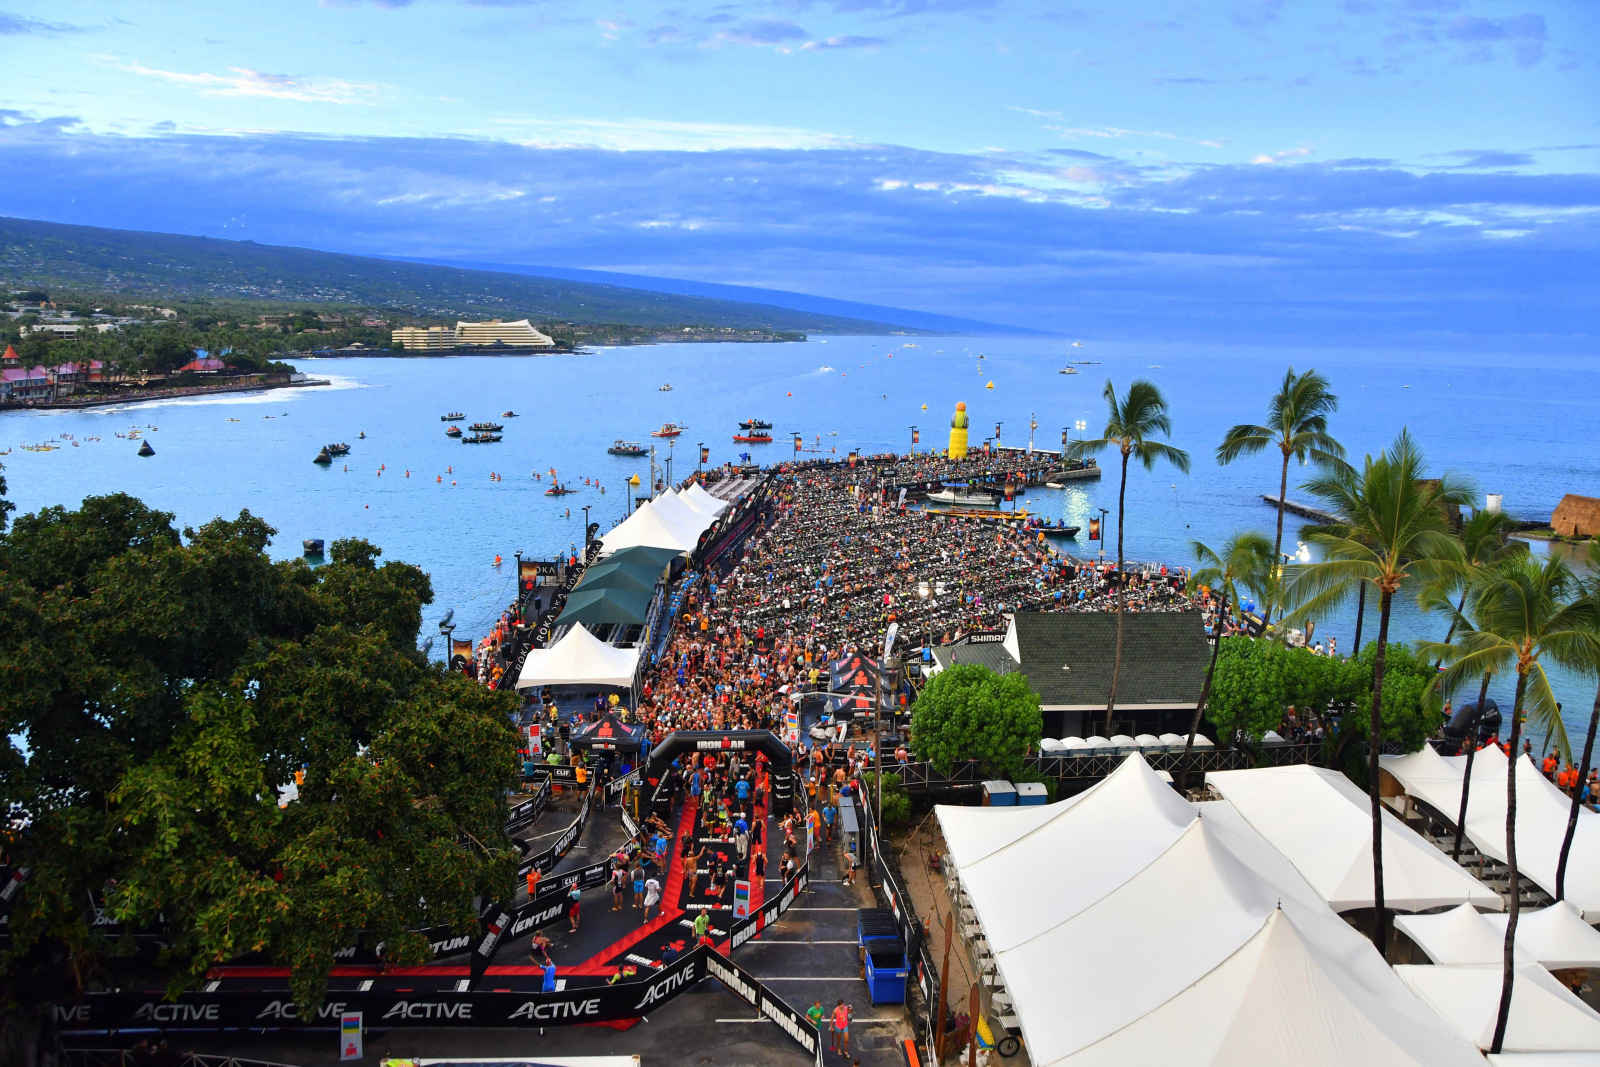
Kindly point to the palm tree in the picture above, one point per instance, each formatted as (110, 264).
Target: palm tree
(1297, 423)
(1246, 559)
(1525, 612)
(1130, 423)
(1591, 588)
(1485, 541)
(1395, 531)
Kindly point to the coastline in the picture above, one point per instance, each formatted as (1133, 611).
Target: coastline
(160, 394)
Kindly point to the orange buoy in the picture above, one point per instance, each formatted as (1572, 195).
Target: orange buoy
(440, 478)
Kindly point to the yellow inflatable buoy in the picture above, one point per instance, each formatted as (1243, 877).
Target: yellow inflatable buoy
(924, 407)
(989, 386)
(958, 432)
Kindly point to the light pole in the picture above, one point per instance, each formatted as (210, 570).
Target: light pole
(586, 538)
(1103, 514)
(913, 440)
(701, 466)
(1033, 424)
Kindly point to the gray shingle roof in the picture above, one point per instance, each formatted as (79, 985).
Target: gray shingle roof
(1164, 656)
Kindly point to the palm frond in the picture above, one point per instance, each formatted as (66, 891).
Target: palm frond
(1243, 440)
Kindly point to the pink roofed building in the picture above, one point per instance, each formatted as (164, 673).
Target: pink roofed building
(204, 365)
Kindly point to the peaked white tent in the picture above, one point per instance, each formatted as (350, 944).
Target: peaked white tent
(1555, 936)
(1322, 823)
(1542, 812)
(672, 506)
(1274, 1001)
(1459, 936)
(647, 526)
(1545, 1016)
(696, 497)
(579, 658)
(1119, 918)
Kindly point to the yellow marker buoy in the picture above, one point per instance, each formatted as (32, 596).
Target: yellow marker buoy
(989, 386)
(924, 407)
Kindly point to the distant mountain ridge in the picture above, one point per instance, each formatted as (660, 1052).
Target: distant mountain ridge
(54, 255)
(821, 305)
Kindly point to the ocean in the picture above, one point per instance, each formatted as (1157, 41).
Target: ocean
(1515, 424)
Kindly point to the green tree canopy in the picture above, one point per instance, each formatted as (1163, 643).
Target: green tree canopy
(968, 712)
(165, 686)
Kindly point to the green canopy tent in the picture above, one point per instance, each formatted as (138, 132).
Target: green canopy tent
(599, 605)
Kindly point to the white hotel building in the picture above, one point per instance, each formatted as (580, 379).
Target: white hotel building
(491, 334)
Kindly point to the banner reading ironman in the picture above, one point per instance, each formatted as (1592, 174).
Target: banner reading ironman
(855, 678)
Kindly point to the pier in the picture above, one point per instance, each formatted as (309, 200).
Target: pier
(1305, 511)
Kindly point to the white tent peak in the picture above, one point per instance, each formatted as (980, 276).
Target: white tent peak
(1545, 1016)
(1555, 936)
(1458, 936)
(579, 658)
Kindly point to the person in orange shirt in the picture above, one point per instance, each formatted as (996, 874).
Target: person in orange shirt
(533, 882)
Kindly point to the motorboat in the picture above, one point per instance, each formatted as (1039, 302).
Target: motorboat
(508, 415)
(665, 388)
(453, 415)
(966, 496)
(558, 489)
(755, 424)
(1065, 533)
(627, 448)
(1068, 370)
(668, 429)
(452, 431)
(482, 438)
(340, 449)
(753, 437)
(486, 427)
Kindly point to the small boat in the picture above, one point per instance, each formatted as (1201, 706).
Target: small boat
(323, 458)
(233, 420)
(145, 449)
(312, 546)
(486, 427)
(667, 388)
(362, 436)
(452, 431)
(483, 438)
(340, 449)
(508, 415)
(558, 490)
(452, 416)
(627, 448)
(755, 424)
(1068, 370)
(754, 437)
(668, 429)
(1066, 533)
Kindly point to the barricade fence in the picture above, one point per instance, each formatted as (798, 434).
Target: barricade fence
(744, 929)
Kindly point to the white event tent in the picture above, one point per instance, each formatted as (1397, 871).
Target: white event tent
(1545, 1015)
(648, 526)
(1555, 936)
(579, 658)
(697, 497)
(1542, 812)
(1322, 823)
(1130, 926)
(688, 518)
(1458, 937)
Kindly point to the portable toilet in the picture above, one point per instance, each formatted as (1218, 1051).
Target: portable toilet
(1032, 793)
(999, 794)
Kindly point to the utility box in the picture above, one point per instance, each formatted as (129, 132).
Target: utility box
(999, 794)
(1032, 793)
(886, 972)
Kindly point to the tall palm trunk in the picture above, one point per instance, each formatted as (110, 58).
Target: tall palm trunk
(1277, 542)
(1361, 614)
(1380, 934)
(1205, 690)
(1466, 780)
(1116, 662)
(1572, 816)
(1513, 905)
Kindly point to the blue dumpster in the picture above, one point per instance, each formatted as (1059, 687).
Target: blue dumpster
(886, 972)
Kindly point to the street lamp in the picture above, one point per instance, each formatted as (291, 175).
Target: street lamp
(586, 538)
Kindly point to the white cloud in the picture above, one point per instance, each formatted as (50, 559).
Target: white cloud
(242, 81)
(637, 135)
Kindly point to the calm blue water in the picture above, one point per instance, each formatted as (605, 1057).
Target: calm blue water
(1517, 424)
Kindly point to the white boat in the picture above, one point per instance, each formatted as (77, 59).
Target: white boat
(1068, 370)
(966, 497)
(667, 388)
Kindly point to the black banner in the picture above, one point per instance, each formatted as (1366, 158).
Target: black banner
(495, 921)
(559, 773)
(744, 929)
(217, 1011)
(529, 810)
(742, 984)
(615, 787)
(546, 861)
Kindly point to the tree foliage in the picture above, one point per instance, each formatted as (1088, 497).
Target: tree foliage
(968, 712)
(166, 687)
(1257, 681)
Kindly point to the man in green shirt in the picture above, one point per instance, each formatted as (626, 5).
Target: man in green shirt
(702, 925)
(816, 1014)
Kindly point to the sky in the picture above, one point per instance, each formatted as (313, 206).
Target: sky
(1418, 172)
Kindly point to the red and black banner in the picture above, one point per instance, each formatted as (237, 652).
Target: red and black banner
(1094, 529)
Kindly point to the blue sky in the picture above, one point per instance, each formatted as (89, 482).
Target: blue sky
(1419, 171)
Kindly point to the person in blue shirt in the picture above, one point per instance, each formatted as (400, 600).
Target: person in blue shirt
(549, 977)
(829, 813)
(743, 789)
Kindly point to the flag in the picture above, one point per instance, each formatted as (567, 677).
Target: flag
(916, 437)
(799, 442)
(705, 454)
(1094, 529)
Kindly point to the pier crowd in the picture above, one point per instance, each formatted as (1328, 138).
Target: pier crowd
(834, 562)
